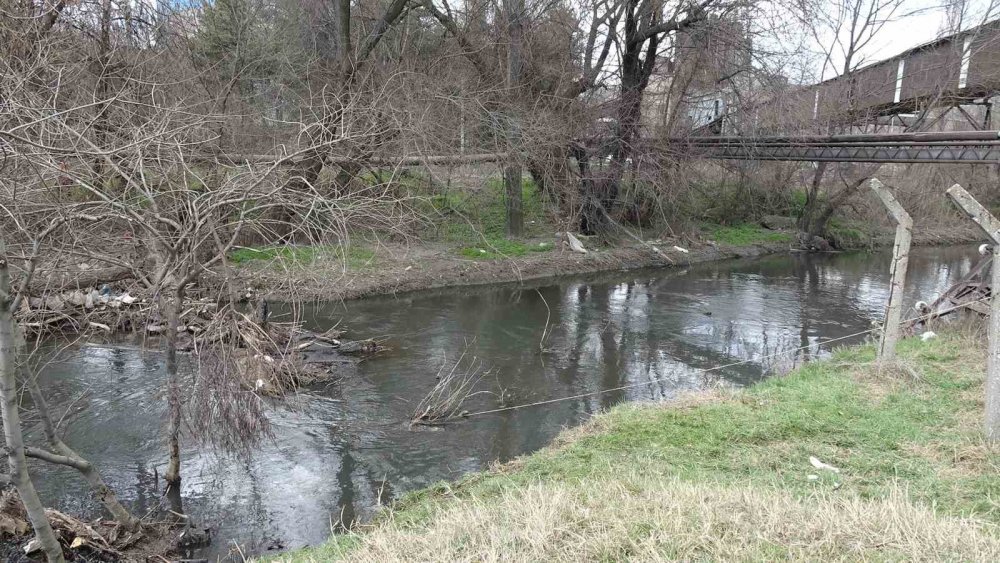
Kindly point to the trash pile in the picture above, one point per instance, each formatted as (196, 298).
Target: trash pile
(102, 308)
(269, 358)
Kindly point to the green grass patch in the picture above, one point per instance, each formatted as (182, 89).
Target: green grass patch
(469, 215)
(797, 203)
(492, 249)
(845, 234)
(746, 234)
(356, 257)
(410, 179)
(886, 431)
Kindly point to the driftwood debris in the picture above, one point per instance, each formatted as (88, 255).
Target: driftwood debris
(101, 540)
(68, 280)
(273, 358)
(456, 383)
(270, 358)
(99, 308)
(971, 293)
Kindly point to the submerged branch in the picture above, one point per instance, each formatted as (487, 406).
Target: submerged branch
(444, 402)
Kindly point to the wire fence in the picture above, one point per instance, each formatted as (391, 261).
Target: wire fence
(721, 367)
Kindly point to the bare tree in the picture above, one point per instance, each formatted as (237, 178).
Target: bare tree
(24, 44)
(155, 178)
(844, 31)
(514, 13)
(13, 437)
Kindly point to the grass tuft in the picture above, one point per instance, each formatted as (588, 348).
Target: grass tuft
(652, 518)
(469, 216)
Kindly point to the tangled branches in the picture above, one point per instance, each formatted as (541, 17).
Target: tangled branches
(455, 385)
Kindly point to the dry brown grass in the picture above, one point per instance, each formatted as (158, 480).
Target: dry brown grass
(648, 519)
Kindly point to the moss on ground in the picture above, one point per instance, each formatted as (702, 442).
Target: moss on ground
(355, 257)
(914, 471)
(848, 234)
(469, 217)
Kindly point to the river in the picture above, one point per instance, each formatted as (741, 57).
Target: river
(343, 448)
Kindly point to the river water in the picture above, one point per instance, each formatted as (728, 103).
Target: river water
(343, 448)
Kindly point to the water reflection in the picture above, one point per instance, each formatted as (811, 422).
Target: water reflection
(343, 448)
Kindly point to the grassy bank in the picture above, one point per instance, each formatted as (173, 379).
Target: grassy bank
(469, 223)
(728, 476)
(745, 234)
(451, 232)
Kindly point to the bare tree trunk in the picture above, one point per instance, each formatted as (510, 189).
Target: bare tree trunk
(171, 306)
(819, 223)
(513, 173)
(13, 437)
(513, 188)
(818, 226)
(62, 454)
(101, 69)
(636, 69)
(812, 198)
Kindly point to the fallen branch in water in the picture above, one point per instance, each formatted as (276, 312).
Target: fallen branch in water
(444, 402)
(548, 317)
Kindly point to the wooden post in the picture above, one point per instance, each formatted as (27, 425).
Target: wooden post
(989, 224)
(897, 272)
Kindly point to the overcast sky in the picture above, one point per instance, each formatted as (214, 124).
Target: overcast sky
(928, 24)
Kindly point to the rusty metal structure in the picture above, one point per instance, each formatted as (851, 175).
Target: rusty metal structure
(910, 91)
(888, 110)
(970, 147)
(892, 111)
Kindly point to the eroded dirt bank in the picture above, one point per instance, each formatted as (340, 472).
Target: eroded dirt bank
(398, 268)
(401, 269)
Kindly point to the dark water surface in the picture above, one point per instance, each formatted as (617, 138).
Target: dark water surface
(341, 449)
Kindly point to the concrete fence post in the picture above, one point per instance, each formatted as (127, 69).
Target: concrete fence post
(989, 224)
(897, 272)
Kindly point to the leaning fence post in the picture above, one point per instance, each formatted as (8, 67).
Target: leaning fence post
(897, 272)
(989, 224)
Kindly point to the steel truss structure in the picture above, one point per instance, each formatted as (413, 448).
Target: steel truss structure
(964, 147)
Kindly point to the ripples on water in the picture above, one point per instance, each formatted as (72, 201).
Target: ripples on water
(343, 448)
